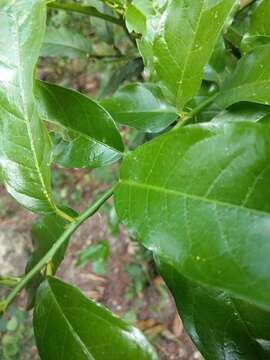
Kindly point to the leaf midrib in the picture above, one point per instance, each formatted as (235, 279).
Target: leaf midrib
(180, 88)
(73, 332)
(192, 196)
(83, 51)
(29, 131)
(85, 136)
(57, 123)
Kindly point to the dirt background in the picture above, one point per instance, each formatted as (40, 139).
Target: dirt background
(142, 299)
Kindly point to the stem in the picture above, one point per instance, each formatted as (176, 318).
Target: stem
(116, 57)
(9, 281)
(87, 10)
(56, 246)
(195, 111)
(64, 215)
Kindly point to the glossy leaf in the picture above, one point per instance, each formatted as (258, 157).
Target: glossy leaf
(137, 13)
(240, 25)
(141, 106)
(180, 43)
(25, 148)
(64, 42)
(90, 139)
(244, 111)
(207, 113)
(197, 197)
(45, 232)
(68, 325)
(222, 327)
(259, 29)
(250, 81)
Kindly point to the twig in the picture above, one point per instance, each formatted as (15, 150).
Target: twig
(56, 246)
(87, 10)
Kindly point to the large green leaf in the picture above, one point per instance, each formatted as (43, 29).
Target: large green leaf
(250, 81)
(90, 137)
(24, 142)
(259, 27)
(199, 198)
(179, 43)
(64, 42)
(141, 106)
(45, 232)
(68, 325)
(222, 327)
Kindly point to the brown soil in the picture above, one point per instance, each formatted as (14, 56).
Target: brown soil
(156, 318)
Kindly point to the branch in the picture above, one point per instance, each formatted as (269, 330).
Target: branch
(87, 10)
(10, 282)
(189, 116)
(56, 246)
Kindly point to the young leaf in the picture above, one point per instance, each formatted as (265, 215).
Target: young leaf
(25, 149)
(259, 28)
(65, 43)
(198, 198)
(141, 106)
(250, 81)
(180, 43)
(45, 232)
(68, 325)
(91, 138)
(222, 327)
(137, 13)
(97, 254)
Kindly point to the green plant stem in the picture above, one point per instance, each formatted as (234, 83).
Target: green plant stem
(195, 111)
(111, 57)
(64, 215)
(47, 258)
(87, 10)
(9, 281)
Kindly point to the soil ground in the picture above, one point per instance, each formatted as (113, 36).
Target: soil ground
(144, 302)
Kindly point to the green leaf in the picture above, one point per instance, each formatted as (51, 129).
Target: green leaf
(132, 69)
(240, 25)
(222, 327)
(180, 43)
(69, 325)
(64, 42)
(215, 70)
(206, 92)
(25, 149)
(91, 138)
(98, 254)
(198, 198)
(141, 106)
(137, 13)
(250, 81)
(259, 29)
(45, 232)
(244, 111)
